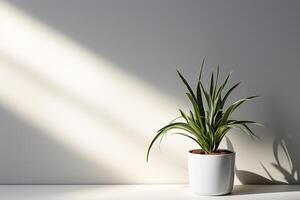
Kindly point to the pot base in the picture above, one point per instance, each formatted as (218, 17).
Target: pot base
(212, 194)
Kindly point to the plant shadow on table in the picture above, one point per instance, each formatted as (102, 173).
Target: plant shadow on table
(291, 175)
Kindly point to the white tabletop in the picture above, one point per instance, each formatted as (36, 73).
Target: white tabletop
(134, 192)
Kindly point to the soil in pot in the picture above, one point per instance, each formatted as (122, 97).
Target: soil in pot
(218, 152)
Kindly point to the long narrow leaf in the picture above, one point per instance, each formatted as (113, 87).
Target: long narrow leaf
(216, 81)
(186, 135)
(200, 101)
(233, 107)
(206, 95)
(201, 69)
(228, 93)
(223, 85)
(211, 90)
(151, 144)
(183, 115)
(187, 85)
(195, 106)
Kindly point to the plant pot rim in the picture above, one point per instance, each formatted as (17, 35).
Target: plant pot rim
(229, 153)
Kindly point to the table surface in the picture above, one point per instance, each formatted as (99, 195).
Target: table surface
(134, 192)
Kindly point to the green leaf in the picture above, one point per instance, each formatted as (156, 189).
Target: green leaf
(243, 128)
(183, 115)
(186, 135)
(233, 107)
(187, 85)
(211, 90)
(223, 85)
(250, 131)
(228, 93)
(201, 69)
(152, 142)
(241, 122)
(195, 106)
(220, 133)
(206, 95)
(192, 116)
(200, 101)
(216, 81)
(177, 125)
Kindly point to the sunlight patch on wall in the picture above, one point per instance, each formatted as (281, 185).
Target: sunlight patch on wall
(84, 101)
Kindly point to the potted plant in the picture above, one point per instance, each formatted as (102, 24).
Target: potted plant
(211, 170)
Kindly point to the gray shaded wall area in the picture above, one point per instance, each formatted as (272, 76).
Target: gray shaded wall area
(257, 40)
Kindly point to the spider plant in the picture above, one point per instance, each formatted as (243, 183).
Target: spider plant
(209, 121)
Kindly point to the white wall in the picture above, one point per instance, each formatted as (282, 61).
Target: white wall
(85, 85)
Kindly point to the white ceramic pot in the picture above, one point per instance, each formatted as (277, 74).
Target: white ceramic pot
(211, 174)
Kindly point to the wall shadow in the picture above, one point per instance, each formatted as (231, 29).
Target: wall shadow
(290, 175)
(285, 146)
(256, 184)
(26, 153)
(247, 177)
(286, 138)
(290, 172)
